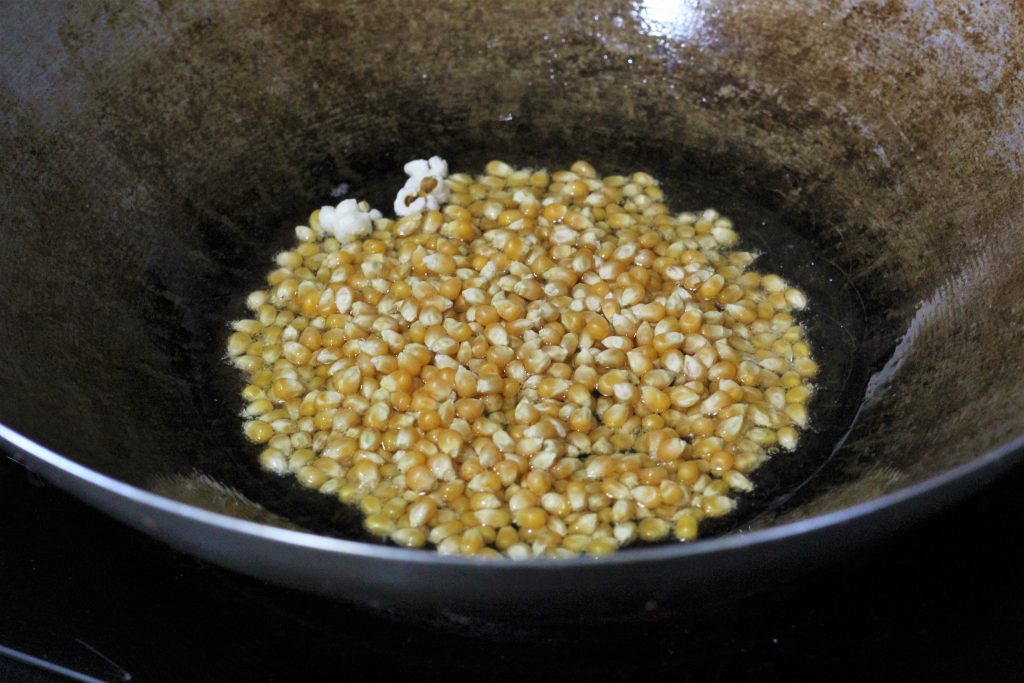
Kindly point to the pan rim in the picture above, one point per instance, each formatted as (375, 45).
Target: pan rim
(369, 551)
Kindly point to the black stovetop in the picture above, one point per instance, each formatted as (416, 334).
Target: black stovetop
(81, 592)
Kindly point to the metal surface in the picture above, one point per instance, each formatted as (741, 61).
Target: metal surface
(154, 157)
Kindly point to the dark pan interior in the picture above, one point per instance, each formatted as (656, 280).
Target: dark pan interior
(155, 157)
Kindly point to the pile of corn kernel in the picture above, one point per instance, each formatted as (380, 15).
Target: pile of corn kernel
(548, 365)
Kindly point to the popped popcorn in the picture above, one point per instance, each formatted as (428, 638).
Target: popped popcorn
(425, 189)
(348, 220)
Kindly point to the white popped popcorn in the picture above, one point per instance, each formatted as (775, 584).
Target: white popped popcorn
(348, 220)
(425, 189)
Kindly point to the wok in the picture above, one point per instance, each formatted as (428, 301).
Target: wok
(155, 156)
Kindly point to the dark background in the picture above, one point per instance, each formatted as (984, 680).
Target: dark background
(81, 591)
